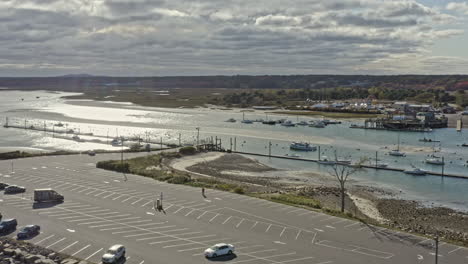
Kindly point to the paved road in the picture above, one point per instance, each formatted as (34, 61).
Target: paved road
(102, 209)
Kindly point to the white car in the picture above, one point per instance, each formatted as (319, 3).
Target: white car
(219, 250)
(113, 254)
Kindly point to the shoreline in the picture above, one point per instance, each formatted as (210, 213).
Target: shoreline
(376, 204)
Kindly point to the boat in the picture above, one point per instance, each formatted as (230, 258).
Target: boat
(77, 138)
(302, 146)
(116, 142)
(331, 122)
(246, 121)
(464, 145)
(345, 161)
(59, 124)
(293, 155)
(302, 123)
(435, 161)
(231, 120)
(415, 171)
(396, 152)
(288, 124)
(326, 161)
(428, 140)
(318, 124)
(269, 122)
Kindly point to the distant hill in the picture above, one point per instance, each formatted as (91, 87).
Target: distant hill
(82, 82)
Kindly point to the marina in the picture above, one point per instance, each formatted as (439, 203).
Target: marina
(172, 125)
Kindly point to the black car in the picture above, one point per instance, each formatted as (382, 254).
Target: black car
(8, 225)
(15, 189)
(3, 185)
(28, 231)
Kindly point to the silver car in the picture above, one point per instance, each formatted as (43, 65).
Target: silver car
(113, 254)
(219, 250)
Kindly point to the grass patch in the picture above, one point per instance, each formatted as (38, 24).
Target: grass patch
(291, 199)
(328, 114)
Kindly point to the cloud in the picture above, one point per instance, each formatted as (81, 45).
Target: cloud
(178, 37)
(461, 7)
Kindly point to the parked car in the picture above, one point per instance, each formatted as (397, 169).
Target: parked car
(8, 225)
(465, 112)
(91, 153)
(28, 231)
(15, 189)
(219, 250)
(113, 254)
(3, 185)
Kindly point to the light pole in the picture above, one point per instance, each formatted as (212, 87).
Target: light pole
(198, 135)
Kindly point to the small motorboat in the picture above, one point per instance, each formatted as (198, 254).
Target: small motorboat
(302, 123)
(269, 122)
(76, 138)
(231, 120)
(415, 171)
(435, 161)
(288, 124)
(59, 124)
(116, 142)
(247, 121)
(326, 161)
(464, 145)
(382, 165)
(302, 146)
(318, 124)
(428, 140)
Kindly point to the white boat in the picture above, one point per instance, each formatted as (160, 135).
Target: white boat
(415, 171)
(302, 146)
(288, 124)
(302, 123)
(318, 124)
(326, 161)
(435, 161)
(231, 120)
(397, 152)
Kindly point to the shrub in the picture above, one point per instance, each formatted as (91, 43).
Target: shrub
(114, 165)
(188, 150)
(178, 179)
(239, 190)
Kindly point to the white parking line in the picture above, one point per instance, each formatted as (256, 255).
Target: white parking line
(85, 247)
(67, 247)
(284, 229)
(266, 231)
(90, 256)
(38, 242)
(237, 226)
(172, 240)
(451, 251)
(213, 218)
(185, 244)
(292, 260)
(298, 233)
(190, 212)
(56, 242)
(200, 216)
(256, 222)
(225, 221)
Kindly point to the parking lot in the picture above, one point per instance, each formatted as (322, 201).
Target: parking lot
(103, 208)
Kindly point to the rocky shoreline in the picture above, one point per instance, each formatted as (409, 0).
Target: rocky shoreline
(20, 252)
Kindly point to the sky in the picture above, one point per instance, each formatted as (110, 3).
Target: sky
(229, 37)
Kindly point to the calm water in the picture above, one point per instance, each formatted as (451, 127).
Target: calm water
(113, 119)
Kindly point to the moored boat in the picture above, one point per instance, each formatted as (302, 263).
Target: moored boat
(288, 124)
(302, 146)
(415, 171)
(326, 161)
(231, 120)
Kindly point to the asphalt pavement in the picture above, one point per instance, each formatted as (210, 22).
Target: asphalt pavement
(103, 208)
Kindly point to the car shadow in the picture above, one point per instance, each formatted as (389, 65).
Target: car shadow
(7, 232)
(121, 260)
(27, 238)
(45, 205)
(223, 258)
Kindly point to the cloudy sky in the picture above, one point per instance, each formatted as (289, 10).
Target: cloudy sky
(208, 37)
